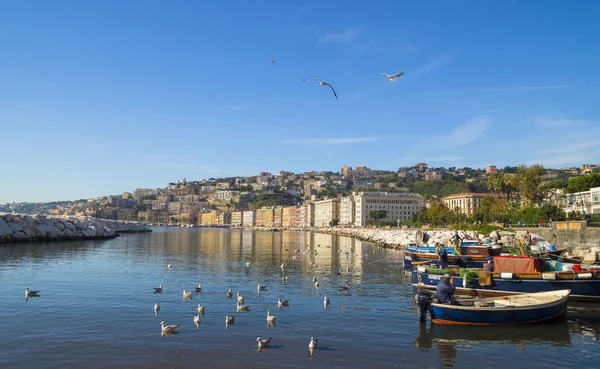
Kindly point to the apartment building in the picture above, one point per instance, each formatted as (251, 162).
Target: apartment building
(327, 212)
(347, 210)
(399, 206)
(236, 218)
(466, 203)
(289, 216)
(264, 217)
(249, 218)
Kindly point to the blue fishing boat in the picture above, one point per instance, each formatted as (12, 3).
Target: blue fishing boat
(473, 254)
(505, 310)
(513, 275)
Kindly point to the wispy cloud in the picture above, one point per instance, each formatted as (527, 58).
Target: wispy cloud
(453, 146)
(560, 122)
(338, 37)
(434, 63)
(494, 89)
(196, 167)
(331, 141)
(465, 133)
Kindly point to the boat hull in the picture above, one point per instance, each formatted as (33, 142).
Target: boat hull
(522, 309)
(581, 289)
(468, 261)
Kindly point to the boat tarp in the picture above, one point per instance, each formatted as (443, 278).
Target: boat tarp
(517, 264)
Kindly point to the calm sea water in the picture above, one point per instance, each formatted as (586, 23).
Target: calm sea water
(95, 308)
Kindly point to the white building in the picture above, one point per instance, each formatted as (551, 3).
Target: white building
(587, 202)
(399, 206)
(347, 210)
(327, 212)
(249, 218)
(225, 195)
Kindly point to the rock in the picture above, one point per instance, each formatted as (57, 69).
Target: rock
(60, 226)
(590, 258)
(8, 218)
(19, 236)
(15, 226)
(5, 229)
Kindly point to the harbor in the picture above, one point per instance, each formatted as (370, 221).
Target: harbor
(372, 324)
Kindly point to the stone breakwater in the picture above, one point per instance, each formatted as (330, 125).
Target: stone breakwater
(398, 238)
(25, 228)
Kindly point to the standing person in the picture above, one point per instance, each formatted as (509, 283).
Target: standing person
(540, 223)
(456, 239)
(443, 259)
(527, 239)
(550, 222)
(445, 291)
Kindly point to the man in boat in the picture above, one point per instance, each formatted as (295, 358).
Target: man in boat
(445, 290)
(443, 259)
(489, 266)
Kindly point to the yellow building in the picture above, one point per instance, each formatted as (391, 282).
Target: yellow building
(289, 216)
(264, 217)
(466, 203)
(236, 218)
(278, 216)
(209, 217)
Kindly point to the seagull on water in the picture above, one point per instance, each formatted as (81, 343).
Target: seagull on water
(199, 288)
(168, 328)
(187, 295)
(29, 293)
(156, 308)
(241, 307)
(263, 343)
(240, 298)
(229, 320)
(392, 77)
(158, 289)
(270, 318)
(323, 84)
(197, 320)
(344, 288)
(313, 343)
(230, 293)
(281, 302)
(325, 302)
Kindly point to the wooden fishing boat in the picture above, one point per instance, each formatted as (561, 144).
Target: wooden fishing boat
(473, 254)
(503, 310)
(513, 275)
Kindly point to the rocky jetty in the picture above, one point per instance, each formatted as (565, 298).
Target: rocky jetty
(24, 228)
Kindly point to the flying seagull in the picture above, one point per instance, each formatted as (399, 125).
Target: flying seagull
(323, 84)
(392, 77)
(272, 60)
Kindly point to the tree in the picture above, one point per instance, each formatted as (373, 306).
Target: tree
(438, 213)
(552, 189)
(583, 183)
(421, 215)
(528, 183)
(502, 183)
(376, 215)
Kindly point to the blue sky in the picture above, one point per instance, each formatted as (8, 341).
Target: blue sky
(100, 97)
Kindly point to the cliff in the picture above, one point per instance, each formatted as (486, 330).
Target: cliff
(25, 228)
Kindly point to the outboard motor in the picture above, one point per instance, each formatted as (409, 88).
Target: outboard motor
(423, 300)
